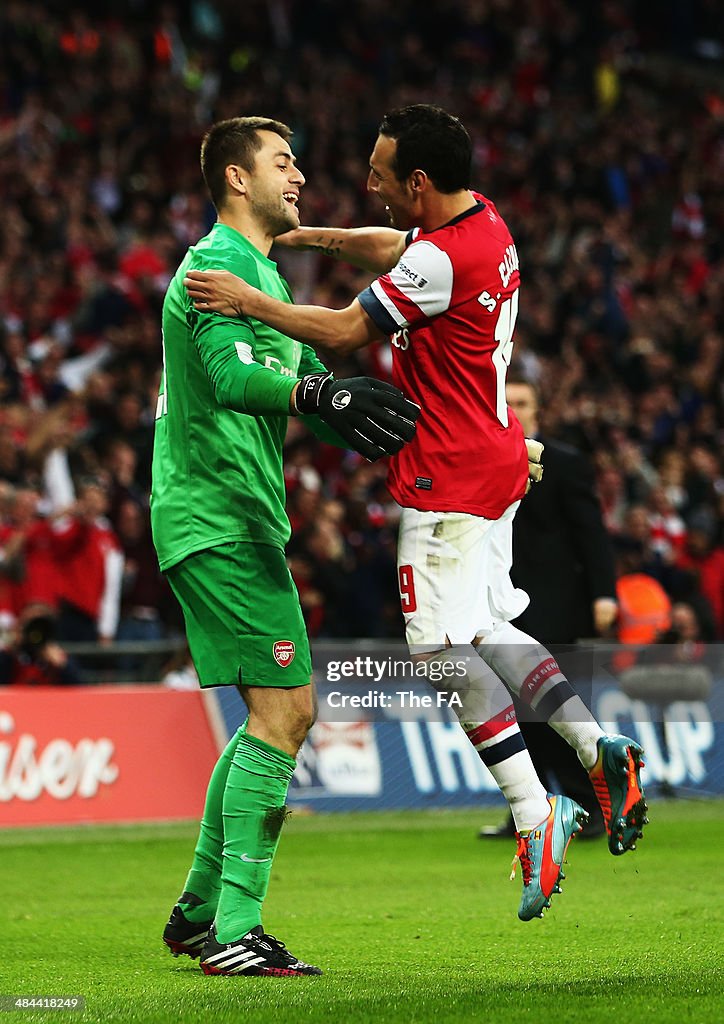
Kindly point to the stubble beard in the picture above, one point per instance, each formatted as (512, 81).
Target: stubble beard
(277, 220)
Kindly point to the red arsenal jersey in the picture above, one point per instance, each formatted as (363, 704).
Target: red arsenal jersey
(449, 306)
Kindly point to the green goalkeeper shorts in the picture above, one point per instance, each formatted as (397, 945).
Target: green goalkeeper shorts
(244, 624)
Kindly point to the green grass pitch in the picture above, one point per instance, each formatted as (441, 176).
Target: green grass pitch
(412, 918)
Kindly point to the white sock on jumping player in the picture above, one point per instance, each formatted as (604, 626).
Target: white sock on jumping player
(575, 723)
(490, 723)
(533, 674)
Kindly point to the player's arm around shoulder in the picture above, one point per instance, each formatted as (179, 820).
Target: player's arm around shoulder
(341, 330)
(376, 249)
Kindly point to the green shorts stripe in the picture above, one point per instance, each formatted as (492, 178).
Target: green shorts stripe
(243, 620)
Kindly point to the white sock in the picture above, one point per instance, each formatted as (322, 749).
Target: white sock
(517, 780)
(575, 723)
(489, 720)
(530, 671)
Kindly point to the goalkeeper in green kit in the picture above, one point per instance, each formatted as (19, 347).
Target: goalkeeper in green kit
(219, 526)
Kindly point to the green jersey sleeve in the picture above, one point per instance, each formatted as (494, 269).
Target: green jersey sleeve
(226, 349)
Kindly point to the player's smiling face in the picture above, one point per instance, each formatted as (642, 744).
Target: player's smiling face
(274, 185)
(382, 179)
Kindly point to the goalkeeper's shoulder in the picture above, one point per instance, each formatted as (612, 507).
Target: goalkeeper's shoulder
(205, 256)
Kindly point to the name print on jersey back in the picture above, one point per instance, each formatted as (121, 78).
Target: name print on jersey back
(509, 265)
(450, 306)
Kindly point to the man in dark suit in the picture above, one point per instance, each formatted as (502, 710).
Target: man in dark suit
(563, 559)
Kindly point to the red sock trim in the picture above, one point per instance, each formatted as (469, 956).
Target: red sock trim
(540, 675)
(487, 730)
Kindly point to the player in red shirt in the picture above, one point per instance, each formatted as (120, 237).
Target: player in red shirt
(449, 306)
(448, 297)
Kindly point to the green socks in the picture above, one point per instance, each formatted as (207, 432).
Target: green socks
(254, 812)
(201, 892)
(239, 835)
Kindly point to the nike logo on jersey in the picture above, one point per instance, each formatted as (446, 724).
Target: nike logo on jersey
(254, 860)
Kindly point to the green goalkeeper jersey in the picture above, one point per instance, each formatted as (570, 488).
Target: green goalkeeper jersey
(222, 412)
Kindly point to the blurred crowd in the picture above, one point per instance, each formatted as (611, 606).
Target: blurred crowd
(599, 133)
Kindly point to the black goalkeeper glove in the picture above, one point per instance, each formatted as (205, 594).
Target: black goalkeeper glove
(372, 416)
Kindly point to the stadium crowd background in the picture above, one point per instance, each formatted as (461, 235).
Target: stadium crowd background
(599, 133)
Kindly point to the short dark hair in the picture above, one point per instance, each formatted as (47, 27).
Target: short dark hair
(431, 140)
(234, 141)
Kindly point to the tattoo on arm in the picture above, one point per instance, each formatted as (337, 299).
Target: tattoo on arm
(334, 248)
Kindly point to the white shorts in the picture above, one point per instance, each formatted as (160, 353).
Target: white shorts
(454, 575)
